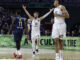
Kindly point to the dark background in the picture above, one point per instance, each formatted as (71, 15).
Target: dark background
(43, 6)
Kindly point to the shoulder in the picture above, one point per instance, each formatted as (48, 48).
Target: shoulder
(62, 7)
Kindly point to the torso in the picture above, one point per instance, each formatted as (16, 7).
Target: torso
(57, 10)
(36, 24)
(19, 23)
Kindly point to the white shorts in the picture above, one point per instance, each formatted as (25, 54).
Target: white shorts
(59, 30)
(35, 34)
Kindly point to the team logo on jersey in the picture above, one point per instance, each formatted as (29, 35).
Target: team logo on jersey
(19, 20)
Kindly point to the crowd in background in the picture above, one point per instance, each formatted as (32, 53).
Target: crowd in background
(6, 20)
(26, 0)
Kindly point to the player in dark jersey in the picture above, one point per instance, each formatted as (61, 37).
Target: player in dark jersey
(19, 24)
(29, 25)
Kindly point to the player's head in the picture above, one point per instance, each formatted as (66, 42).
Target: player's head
(57, 2)
(36, 14)
(17, 13)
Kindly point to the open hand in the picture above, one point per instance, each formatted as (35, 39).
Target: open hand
(52, 9)
(24, 7)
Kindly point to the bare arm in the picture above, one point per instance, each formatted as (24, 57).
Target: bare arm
(65, 13)
(25, 27)
(28, 27)
(41, 18)
(24, 8)
(52, 20)
(13, 20)
(26, 30)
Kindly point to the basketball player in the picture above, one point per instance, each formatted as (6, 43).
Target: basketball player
(35, 33)
(29, 25)
(19, 24)
(59, 28)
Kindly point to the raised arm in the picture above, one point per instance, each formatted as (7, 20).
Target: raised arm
(65, 13)
(24, 8)
(41, 18)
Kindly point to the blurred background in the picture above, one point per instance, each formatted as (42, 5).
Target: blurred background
(9, 7)
(71, 43)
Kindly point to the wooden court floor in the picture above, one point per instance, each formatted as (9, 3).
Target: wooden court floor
(44, 54)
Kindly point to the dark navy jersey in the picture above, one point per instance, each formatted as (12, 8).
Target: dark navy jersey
(19, 23)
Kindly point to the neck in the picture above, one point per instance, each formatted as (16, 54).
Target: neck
(35, 17)
(57, 5)
(17, 15)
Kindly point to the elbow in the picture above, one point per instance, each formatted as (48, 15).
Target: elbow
(67, 17)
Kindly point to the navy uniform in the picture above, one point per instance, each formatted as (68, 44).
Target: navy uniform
(18, 28)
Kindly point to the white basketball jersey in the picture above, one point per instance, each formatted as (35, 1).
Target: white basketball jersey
(57, 10)
(36, 25)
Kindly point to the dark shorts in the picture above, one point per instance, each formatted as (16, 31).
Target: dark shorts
(18, 35)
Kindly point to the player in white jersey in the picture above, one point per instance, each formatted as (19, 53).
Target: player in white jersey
(35, 34)
(59, 28)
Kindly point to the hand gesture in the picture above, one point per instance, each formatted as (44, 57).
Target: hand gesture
(52, 9)
(24, 7)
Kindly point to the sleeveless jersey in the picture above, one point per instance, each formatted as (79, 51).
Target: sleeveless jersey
(57, 10)
(36, 25)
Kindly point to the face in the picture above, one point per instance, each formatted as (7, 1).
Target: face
(56, 3)
(36, 15)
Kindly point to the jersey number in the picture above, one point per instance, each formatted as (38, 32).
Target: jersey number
(20, 24)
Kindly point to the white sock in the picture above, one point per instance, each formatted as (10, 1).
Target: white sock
(19, 52)
(61, 53)
(16, 52)
(33, 45)
(57, 54)
(37, 47)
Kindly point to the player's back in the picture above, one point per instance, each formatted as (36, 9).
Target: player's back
(19, 24)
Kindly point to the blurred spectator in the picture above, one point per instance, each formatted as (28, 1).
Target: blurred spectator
(5, 22)
(68, 33)
(9, 20)
(46, 32)
(73, 33)
(5, 28)
(79, 32)
(2, 32)
(0, 24)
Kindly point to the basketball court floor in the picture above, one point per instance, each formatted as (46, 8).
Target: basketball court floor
(44, 54)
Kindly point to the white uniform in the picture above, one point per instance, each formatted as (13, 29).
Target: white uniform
(59, 26)
(35, 33)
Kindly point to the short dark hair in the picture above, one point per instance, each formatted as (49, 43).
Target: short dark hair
(18, 12)
(59, 1)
